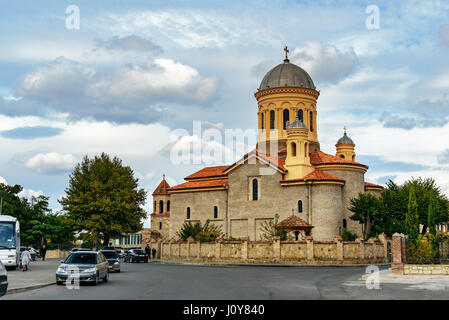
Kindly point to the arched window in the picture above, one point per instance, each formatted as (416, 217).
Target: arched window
(262, 121)
(215, 212)
(311, 121)
(188, 212)
(286, 117)
(306, 149)
(255, 189)
(342, 156)
(160, 225)
(300, 115)
(161, 206)
(344, 223)
(168, 206)
(299, 206)
(272, 119)
(293, 146)
(353, 158)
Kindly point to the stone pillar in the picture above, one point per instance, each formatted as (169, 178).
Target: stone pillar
(159, 249)
(245, 249)
(384, 241)
(310, 255)
(199, 249)
(340, 251)
(397, 267)
(218, 249)
(179, 247)
(361, 248)
(277, 248)
(189, 241)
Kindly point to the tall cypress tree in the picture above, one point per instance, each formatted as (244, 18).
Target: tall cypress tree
(411, 219)
(431, 215)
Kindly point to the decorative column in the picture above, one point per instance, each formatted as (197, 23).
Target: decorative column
(340, 250)
(397, 267)
(361, 248)
(245, 249)
(310, 255)
(277, 248)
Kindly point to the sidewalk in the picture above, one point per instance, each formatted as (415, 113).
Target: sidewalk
(40, 274)
(387, 276)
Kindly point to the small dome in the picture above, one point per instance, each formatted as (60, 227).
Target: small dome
(297, 124)
(345, 140)
(287, 75)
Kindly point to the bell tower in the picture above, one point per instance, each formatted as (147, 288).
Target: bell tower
(297, 162)
(345, 147)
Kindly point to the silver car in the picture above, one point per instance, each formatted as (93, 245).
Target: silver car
(87, 266)
(113, 259)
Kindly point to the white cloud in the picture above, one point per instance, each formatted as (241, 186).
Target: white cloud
(51, 162)
(325, 63)
(3, 180)
(28, 193)
(125, 94)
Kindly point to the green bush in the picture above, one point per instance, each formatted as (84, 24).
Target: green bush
(203, 233)
(348, 235)
(425, 250)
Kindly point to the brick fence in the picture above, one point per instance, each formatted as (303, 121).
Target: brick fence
(276, 251)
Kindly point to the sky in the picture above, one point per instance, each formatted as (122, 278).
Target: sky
(134, 78)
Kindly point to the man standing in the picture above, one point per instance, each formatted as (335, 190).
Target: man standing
(154, 253)
(43, 251)
(147, 253)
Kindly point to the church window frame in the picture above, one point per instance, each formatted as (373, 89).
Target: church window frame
(293, 149)
(301, 115)
(215, 212)
(161, 206)
(272, 120)
(262, 121)
(160, 225)
(168, 205)
(300, 207)
(255, 189)
(188, 213)
(311, 120)
(285, 118)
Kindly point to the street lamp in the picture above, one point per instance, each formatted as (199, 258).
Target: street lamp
(1, 201)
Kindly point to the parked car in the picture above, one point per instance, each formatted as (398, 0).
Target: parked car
(80, 249)
(33, 252)
(121, 254)
(89, 266)
(3, 280)
(134, 255)
(113, 259)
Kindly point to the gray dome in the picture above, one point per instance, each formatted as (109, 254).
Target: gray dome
(286, 75)
(345, 140)
(297, 124)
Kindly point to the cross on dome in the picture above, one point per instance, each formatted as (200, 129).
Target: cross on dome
(286, 54)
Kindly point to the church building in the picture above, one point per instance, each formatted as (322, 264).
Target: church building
(286, 174)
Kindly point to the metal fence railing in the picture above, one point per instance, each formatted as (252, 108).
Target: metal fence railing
(425, 251)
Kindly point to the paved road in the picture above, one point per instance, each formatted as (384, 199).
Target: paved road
(173, 282)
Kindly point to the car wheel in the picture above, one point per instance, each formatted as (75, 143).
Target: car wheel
(97, 279)
(106, 277)
(59, 283)
(118, 271)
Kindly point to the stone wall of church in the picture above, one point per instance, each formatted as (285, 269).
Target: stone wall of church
(246, 216)
(201, 208)
(327, 211)
(161, 223)
(354, 184)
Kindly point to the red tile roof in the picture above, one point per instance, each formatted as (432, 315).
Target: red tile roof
(200, 184)
(208, 172)
(319, 157)
(367, 184)
(317, 175)
(294, 222)
(160, 214)
(274, 160)
(162, 188)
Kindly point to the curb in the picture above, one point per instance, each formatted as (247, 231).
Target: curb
(267, 265)
(408, 277)
(36, 286)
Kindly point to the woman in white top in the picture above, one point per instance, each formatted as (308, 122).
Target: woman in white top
(26, 258)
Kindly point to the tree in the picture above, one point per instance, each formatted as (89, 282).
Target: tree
(103, 199)
(367, 210)
(270, 229)
(199, 232)
(431, 215)
(411, 219)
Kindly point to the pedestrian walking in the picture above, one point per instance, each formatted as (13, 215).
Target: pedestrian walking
(147, 253)
(43, 251)
(25, 258)
(153, 251)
